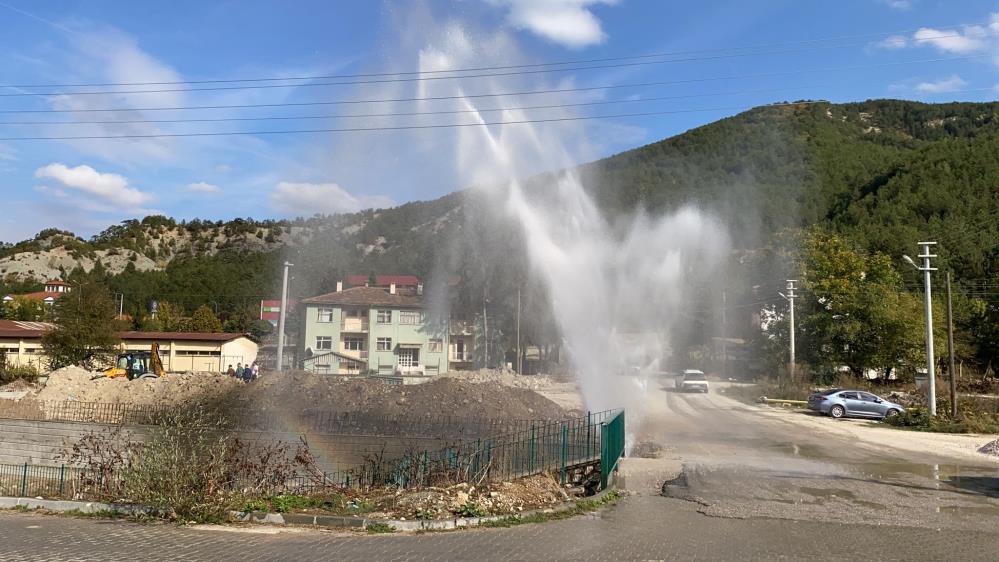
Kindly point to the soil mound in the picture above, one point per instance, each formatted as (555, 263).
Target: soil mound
(300, 391)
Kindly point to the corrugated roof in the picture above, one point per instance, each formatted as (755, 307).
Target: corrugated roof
(179, 336)
(367, 296)
(21, 329)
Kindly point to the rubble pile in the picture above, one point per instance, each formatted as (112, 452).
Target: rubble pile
(990, 448)
(464, 500)
(306, 391)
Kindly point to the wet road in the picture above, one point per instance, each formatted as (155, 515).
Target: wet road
(740, 463)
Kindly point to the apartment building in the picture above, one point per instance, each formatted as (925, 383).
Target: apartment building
(378, 330)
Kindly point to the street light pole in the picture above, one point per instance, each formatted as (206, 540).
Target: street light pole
(284, 309)
(789, 297)
(930, 361)
(950, 352)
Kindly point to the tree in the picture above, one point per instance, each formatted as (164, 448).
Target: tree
(85, 330)
(854, 310)
(29, 310)
(203, 320)
(170, 316)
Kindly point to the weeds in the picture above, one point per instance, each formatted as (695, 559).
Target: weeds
(918, 419)
(580, 507)
(379, 528)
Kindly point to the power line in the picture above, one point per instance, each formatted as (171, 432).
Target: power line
(392, 128)
(417, 113)
(381, 81)
(536, 65)
(515, 93)
(440, 112)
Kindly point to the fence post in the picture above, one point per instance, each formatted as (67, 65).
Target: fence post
(589, 439)
(531, 467)
(62, 478)
(565, 434)
(24, 481)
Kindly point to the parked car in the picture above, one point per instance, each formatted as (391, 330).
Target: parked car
(839, 403)
(692, 379)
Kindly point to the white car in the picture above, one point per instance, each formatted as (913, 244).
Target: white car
(692, 380)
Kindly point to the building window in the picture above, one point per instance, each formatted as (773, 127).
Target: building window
(435, 346)
(325, 315)
(353, 344)
(352, 312)
(383, 344)
(410, 317)
(384, 316)
(324, 343)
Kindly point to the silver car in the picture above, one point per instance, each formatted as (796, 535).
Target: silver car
(838, 403)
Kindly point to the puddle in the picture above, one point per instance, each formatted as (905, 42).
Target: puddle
(828, 493)
(970, 510)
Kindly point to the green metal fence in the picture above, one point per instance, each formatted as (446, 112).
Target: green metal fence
(552, 447)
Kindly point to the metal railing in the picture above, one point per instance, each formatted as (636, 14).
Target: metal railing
(552, 447)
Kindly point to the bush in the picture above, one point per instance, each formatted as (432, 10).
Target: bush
(919, 419)
(25, 373)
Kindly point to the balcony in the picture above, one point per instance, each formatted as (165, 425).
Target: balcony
(460, 357)
(409, 369)
(359, 354)
(354, 325)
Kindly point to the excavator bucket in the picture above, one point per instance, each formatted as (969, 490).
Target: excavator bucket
(155, 363)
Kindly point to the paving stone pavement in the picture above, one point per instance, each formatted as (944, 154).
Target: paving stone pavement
(637, 528)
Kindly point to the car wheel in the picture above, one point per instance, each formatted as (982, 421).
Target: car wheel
(891, 413)
(837, 411)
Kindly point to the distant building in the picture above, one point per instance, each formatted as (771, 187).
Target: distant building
(53, 290)
(270, 310)
(380, 330)
(21, 344)
(409, 284)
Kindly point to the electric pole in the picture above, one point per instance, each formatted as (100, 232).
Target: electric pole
(789, 297)
(930, 370)
(284, 310)
(950, 352)
(724, 334)
(520, 363)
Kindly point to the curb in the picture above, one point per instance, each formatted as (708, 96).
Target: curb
(7, 502)
(323, 521)
(346, 521)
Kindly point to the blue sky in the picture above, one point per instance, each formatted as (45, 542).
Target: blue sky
(84, 185)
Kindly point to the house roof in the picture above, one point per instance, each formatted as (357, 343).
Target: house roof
(36, 296)
(366, 296)
(21, 329)
(384, 280)
(180, 336)
(58, 282)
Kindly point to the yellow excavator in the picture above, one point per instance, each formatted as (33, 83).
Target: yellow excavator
(138, 365)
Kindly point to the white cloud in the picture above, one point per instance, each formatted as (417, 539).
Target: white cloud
(969, 40)
(893, 42)
(307, 199)
(203, 187)
(898, 4)
(223, 168)
(111, 188)
(940, 86)
(566, 22)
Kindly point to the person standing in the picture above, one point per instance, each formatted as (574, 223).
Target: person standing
(239, 371)
(230, 371)
(254, 371)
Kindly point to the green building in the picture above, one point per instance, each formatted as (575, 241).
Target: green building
(379, 330)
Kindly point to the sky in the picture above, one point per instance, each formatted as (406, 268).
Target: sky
(679, 64)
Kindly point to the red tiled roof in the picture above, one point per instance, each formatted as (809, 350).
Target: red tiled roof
(39, 295)
(384, 280)
(179, 336)
(367, 296)
(58, 282)
(20, 329)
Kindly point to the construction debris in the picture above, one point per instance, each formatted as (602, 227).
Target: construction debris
(465, 500)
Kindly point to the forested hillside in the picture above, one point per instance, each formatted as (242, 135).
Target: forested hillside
(881, 174)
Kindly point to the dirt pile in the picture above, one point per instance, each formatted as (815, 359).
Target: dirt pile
(80, 385)
(299, 391)
(19, 385)
(990, 448)
(464, 500)
(439, 397)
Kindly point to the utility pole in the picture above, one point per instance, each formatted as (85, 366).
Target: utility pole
(930, 370)
(284, 310)
(485, 334)
(789, 297)
(950, 352)
(724, 334)
(520, 363)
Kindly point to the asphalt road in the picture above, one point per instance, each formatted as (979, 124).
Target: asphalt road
(752, 488)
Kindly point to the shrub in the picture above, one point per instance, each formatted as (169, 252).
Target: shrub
(27, 373)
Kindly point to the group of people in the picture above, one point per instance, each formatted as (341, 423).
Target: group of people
(247, 373)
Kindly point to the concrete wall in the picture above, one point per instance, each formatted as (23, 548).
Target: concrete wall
(48, 443)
